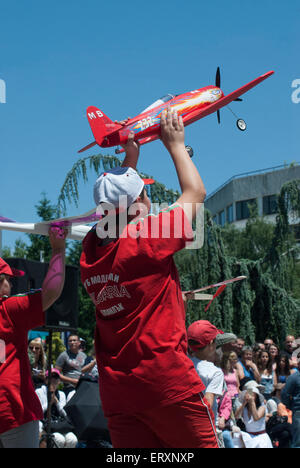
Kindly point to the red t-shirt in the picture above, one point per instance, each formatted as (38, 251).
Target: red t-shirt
(19, 403)
(140, 339)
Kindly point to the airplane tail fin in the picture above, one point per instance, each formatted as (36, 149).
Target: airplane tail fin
(100, 124)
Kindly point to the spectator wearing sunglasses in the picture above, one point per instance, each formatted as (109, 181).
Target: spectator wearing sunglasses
(38, 362)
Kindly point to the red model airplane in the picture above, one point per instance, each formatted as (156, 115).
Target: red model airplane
(192, 106)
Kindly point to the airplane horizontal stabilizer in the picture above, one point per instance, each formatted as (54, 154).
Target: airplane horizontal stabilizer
(87, 147)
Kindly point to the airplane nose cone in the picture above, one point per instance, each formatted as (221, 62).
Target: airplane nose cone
(217, 93)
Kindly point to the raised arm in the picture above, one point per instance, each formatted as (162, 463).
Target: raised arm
(257, 413)
(193, 191)
(132, 148)
(54, 281)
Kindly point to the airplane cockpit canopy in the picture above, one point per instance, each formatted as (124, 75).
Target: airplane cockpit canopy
(167, 97)
(159, 101)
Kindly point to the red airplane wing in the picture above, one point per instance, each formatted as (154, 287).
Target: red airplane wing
(199, 114)
(233, 280)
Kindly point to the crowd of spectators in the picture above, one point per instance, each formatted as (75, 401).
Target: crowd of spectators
(259, 405)
(254, 391)
(71, 365)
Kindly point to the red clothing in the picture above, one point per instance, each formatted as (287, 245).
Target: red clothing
(19, 403)
(140, 341)
(188, 423)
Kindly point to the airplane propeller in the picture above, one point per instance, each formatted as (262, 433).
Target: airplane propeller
(218, 85)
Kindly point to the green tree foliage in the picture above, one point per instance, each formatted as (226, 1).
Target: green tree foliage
(20, 250)
(6, 252)
(57, 347)
(253, 242)
(69, 191)
(284, 253)
(39, 247)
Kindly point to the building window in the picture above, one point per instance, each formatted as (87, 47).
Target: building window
(242, 208)
(270, 204)
(221, 217)
(215, 219)
(229, 214)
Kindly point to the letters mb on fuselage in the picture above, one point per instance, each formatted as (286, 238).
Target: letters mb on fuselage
(2, 92)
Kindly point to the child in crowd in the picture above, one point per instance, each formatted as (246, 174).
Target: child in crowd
(202, 349)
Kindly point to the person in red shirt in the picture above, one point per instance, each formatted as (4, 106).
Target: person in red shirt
(150, 391)
(20, 410)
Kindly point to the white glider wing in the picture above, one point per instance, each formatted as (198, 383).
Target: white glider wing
(76, 225)
(76, 232)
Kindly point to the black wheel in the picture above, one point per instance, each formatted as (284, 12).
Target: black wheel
(241, 125)
(190, 151)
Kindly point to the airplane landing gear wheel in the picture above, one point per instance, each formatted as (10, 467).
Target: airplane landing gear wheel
(241, 124)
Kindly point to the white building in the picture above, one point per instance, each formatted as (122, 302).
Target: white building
(230, 202)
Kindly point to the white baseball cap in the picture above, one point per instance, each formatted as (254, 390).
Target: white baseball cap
(119, 182)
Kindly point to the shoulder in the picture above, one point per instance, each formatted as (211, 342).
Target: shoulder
(61, 395)
(25, 311)
(63, 356)
(41, 391)
(209, 368)
(216, 371)
(293, 378)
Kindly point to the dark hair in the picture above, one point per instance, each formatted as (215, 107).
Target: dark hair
(193, 343)
(269, 365)
(142, 194)
(243, 381)
(73, 334)
(258, 400)
(286, 369)
(256, 347)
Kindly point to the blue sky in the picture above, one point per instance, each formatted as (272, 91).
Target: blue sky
(59, 57)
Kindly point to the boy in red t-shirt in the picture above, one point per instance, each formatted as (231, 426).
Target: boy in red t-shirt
(20, 410)
(150, 391)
